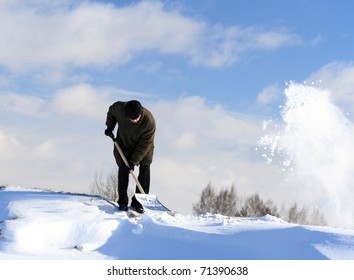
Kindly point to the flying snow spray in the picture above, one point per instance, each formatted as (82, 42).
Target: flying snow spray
(314, 144)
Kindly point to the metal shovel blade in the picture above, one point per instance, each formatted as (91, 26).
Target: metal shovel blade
(151, 202)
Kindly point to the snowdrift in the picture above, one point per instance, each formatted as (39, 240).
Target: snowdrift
(37, 224)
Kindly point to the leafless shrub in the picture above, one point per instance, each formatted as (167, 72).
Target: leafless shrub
(105, 187)
(227, 202)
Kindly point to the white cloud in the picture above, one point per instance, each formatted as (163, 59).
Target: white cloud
(319, 39)
(269, 94)
(338, 78)
(80, 34)
(7, 143)
(275, 39)
(90, 33)
(151, 68)
(187, 140)
(82, 100)
(221, 46)
(28, 105)
(191, 123)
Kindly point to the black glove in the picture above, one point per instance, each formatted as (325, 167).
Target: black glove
(131, 166)
(109, 132)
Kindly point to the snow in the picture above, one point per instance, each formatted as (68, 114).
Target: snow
(37, 225)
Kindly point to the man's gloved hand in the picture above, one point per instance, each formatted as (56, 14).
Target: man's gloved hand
(109, 132)
(131, 166)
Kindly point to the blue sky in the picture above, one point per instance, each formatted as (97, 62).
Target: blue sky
(315, 33)
(210, 71)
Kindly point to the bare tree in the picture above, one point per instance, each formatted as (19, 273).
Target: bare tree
(317, 218)
(107, 188)
(224, 203)
(296, 215)
(256, 207)
(304, 216)
(206, 202)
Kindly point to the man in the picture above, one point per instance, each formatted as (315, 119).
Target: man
(135, 136)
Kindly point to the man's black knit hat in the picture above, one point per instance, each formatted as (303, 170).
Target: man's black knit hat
(133, 109)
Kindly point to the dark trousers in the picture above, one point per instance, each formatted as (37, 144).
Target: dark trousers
(123, 181)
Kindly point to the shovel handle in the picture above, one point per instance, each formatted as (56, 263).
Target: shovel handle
(127, 164)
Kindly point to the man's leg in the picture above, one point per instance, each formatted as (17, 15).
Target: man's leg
(144, 180)
(123, 181)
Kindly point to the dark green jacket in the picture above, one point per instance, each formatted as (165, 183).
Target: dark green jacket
(135, 139)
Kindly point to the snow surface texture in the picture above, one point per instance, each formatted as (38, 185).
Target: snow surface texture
(36, 224)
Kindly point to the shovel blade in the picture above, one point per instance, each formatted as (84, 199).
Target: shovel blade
(151, 202)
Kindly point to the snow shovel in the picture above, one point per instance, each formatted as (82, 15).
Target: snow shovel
(149, 201)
